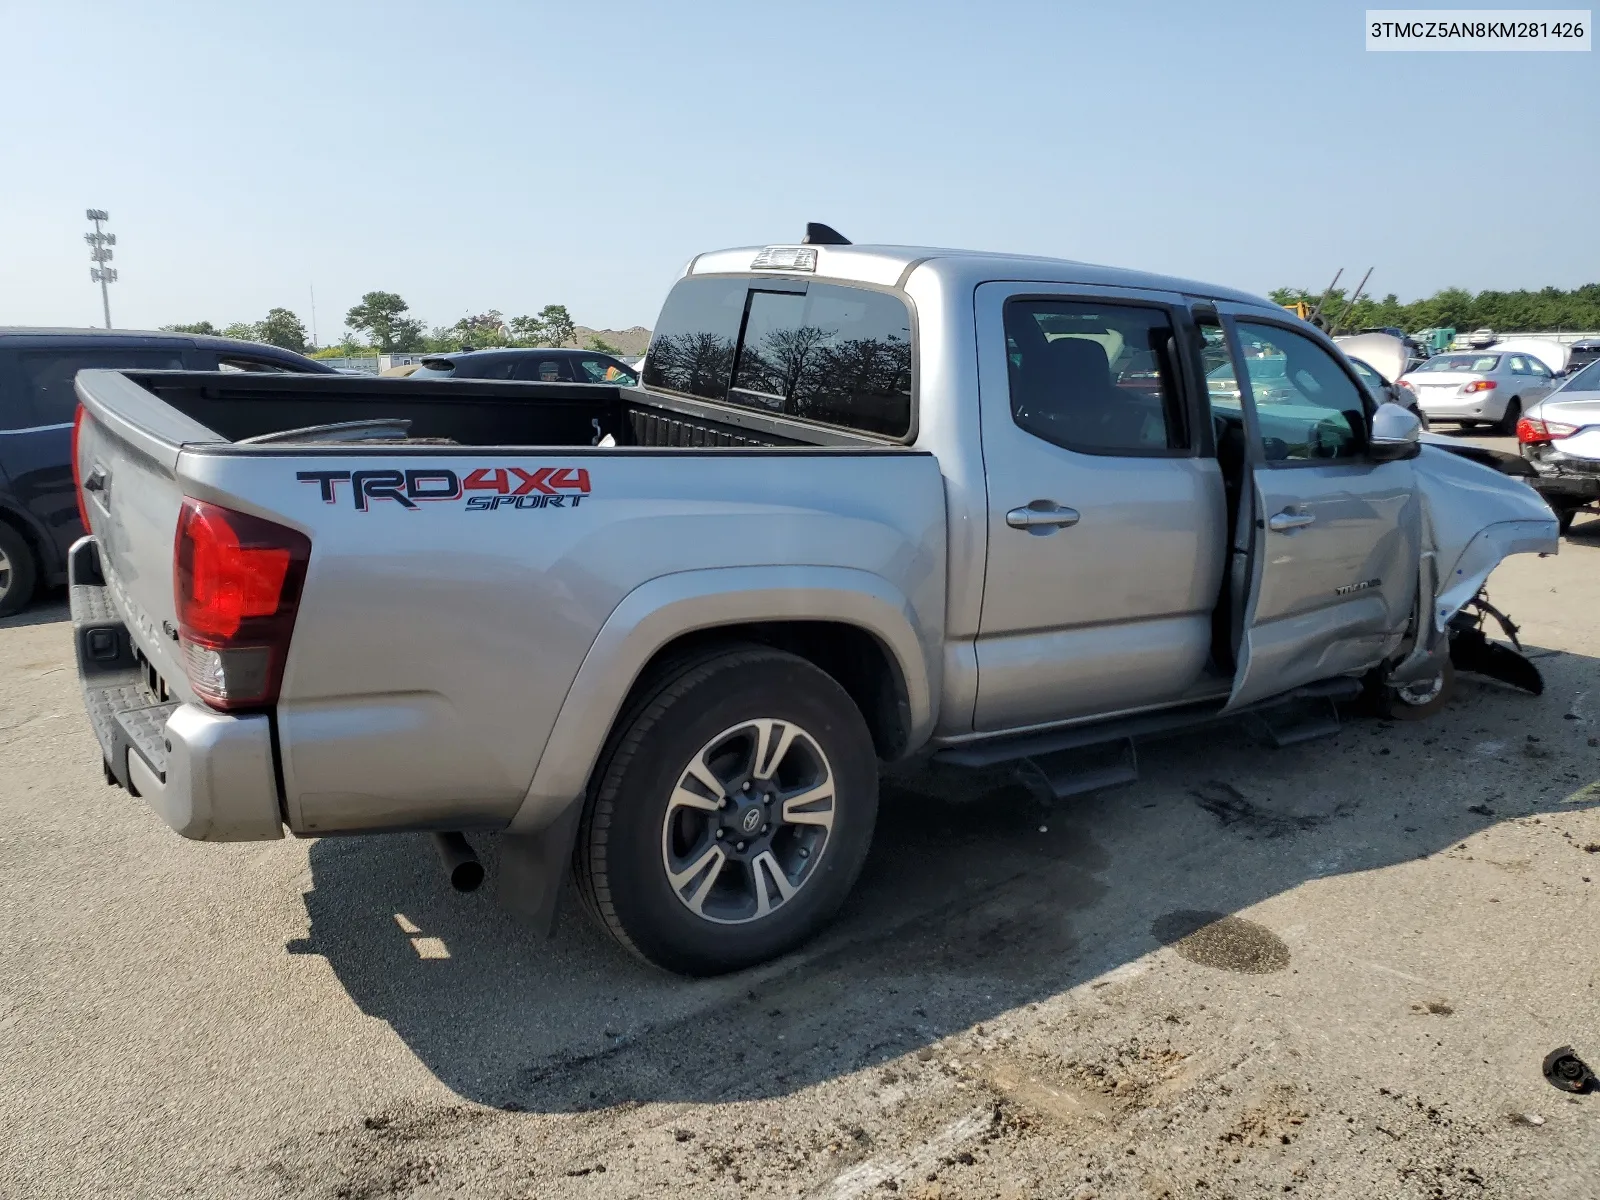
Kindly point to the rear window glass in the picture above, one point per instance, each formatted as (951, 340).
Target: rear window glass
(1461, 362)
(695, 337)
(818, 351)
(49, 374)
(434, 368)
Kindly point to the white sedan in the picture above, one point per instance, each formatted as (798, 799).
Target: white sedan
(1479, 387)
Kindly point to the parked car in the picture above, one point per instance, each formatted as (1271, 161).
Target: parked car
(1582, 353)
(1560, 437)
(899, 502)
(1381, 358)
(1385, 392)
(1479, 388)
(537, 365)
(38, 512)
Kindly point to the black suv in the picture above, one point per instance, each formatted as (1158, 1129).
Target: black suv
(548, 365)
(38, 504)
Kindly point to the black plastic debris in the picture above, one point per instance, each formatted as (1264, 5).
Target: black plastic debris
(1565, 1070)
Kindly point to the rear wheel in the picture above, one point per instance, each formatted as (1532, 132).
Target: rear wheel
(1566, 516)
(1507, 426)
(731, 814)
(18, 571)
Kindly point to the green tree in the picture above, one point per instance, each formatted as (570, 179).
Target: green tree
(604, 347)
(205, 327)
(282, 328)
(558, 326)
(243, 331)
(528, 331)
(477, 332)
(382, 316)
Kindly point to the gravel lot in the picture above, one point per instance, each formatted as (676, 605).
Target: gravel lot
(1015, 1004)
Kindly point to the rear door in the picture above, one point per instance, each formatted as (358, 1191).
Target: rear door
(1330, 538)
(1106, 510)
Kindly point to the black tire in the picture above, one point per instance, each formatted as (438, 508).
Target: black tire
(1467, 426)
(631, 824)
(1507, 425)
(18, 571)
(1565, 517)
(1393, 704)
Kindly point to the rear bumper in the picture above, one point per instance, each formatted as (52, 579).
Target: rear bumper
(1462, 409)
(1553, 478)
(209, 775)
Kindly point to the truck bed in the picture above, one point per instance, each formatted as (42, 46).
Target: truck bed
(459, 579)
(476, 412)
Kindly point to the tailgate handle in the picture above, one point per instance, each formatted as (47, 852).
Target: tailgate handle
(96, 481)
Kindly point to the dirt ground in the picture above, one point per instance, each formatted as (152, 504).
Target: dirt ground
(1332, 969)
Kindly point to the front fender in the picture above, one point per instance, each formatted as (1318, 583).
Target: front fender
(669, 606)
(1475, 517)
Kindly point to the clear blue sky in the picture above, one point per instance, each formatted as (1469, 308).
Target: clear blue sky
(511, 154)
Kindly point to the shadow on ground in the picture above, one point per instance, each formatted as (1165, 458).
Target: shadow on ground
(978, 897)
(48, 607)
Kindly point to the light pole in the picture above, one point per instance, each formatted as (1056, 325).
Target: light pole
(100, 251)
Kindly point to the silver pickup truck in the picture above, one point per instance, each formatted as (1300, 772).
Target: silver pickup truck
(868, 503)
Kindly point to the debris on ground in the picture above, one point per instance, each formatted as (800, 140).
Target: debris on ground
(1565, 1070)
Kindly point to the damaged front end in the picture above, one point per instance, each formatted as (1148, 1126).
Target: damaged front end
(1472, 518)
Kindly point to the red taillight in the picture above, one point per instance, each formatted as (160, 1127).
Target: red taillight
(77, 471)
(1479, 385)
(1410, 387)
(236, 580)
(1532, 431)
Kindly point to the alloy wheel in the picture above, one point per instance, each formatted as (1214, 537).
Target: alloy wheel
(748, 821)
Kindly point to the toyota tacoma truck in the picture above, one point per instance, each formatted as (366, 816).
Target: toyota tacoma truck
(867, 504)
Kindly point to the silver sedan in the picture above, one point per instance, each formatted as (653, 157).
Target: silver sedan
(1479, 387)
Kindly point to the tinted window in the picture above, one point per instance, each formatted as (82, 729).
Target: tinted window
(696, 333)
(232, 362)
(1094, 377)
(841, 355)
(1481, 363)
(48, 375)
(605, 370)
(435, 368)
(1306, 406)
(491, 368)
(818, 351)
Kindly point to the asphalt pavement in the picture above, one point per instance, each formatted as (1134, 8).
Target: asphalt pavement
(1332, 969)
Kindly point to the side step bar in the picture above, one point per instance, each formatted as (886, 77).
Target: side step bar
(1295, 716)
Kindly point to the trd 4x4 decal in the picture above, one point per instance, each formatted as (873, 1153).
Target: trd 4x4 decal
(496, 487)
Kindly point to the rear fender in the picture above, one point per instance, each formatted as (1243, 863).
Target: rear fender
(664, 609)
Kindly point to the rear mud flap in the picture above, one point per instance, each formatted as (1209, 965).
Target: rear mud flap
(533, 867)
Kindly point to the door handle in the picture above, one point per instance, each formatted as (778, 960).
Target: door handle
(96, 481)
(1042, 515)
(1287, 522)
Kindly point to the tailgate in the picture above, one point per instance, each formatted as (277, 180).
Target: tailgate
(126, 456)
